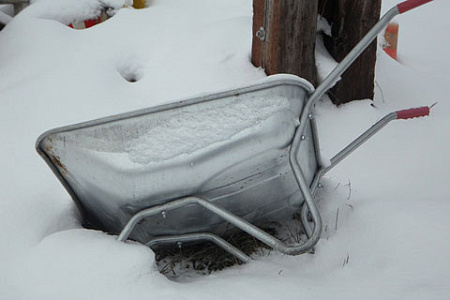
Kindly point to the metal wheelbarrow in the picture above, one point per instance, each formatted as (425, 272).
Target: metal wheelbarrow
(195, 169)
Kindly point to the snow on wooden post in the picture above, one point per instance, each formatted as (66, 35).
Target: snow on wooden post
(284, 34)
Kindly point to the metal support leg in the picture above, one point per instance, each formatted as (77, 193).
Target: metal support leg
(226, 215)
(202, 237)
(310, 204)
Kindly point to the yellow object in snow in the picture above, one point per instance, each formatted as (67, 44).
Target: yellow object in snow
(139, 4)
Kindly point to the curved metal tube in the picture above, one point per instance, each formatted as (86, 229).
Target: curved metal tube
(306, 114)
(313, 236)
(202, 237)
(339, 157)
(340, 69)
(226, 215)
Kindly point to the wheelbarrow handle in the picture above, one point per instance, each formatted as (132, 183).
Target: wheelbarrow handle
(397, 115)
(413, 113)
(410, 4)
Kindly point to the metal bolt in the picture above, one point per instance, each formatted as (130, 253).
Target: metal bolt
(320, 186)
(179, 244)
(303, 137)
(261, 34)
(311, 116)
(163, 213)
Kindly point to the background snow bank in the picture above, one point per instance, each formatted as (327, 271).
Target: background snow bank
(385, 209)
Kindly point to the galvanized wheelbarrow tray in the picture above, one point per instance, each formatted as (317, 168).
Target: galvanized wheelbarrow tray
(200, 168)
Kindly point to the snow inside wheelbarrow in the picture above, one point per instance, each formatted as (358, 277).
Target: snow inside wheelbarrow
(230, 148)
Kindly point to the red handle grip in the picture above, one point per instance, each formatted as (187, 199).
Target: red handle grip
(410, 4)
(413, 113)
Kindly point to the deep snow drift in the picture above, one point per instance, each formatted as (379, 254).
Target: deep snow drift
(385, 208)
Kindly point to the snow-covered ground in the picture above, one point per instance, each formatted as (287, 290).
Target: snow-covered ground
(391, 196)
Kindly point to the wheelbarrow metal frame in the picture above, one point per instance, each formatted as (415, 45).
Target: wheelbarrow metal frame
(309, 208)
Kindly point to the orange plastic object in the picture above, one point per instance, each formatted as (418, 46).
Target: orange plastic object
(391, 37)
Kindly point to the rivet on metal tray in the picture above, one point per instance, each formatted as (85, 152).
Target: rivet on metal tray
(179, 244)
(163, 213)
(303, 137)
(320, 186)
(311, 116)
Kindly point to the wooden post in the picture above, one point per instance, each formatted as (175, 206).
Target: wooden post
(351, 20)
(284, 35)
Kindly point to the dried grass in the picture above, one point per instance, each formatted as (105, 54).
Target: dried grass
(203, 258)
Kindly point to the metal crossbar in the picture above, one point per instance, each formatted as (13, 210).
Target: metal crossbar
(232, 219)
